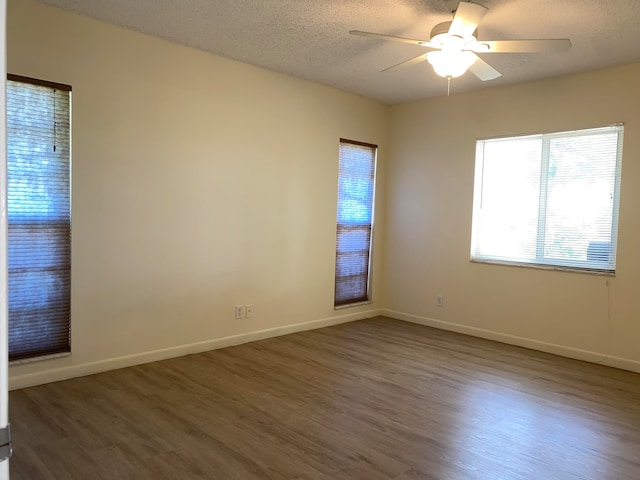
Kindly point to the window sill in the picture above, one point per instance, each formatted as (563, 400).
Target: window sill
(349, 305)
(557, 268)
(38, 358)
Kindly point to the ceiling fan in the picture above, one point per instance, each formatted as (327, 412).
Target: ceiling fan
(453, 45)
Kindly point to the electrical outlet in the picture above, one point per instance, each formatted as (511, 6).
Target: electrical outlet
(239, 312)
(439, 300)
(249, 311)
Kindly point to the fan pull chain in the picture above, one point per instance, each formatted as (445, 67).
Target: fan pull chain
(448, 86)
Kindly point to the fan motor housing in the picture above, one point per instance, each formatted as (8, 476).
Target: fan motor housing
(443, 28)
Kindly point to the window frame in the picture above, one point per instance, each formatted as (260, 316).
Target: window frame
(367, 297)
(55, 349)
(540, 261)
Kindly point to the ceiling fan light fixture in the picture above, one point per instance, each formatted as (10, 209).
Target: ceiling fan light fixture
(454, 45)
(451, 64)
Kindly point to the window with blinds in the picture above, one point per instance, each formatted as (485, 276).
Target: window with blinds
(39, 223)
(356, 185)
(549, 200)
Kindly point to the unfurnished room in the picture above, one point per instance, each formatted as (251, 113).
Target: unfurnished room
(320, 240)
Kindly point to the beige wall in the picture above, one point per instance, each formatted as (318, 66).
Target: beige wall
(199, 183)
(429, 182)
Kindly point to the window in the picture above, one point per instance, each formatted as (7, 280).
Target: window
(39, 223)
(549, 200)
(356, 183)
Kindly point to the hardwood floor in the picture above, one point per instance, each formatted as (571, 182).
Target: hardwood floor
(377, 399)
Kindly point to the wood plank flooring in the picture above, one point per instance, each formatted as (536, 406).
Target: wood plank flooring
(377, 399)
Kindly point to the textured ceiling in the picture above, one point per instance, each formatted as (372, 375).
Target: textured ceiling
(309, 38)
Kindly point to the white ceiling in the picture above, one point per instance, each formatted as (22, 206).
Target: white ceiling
(309, 38)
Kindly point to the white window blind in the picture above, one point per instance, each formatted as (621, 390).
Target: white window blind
(549, 200)
(356, 183)
(39, 211)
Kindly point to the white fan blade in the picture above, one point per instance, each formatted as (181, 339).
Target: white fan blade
(466, 20)
(379, 36)
(552, 45)
(483, 70)
(412, 61)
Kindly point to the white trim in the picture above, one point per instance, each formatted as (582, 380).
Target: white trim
(39, 358)
(543, 266)
(349, 305)
(65, 373)
(562, 350)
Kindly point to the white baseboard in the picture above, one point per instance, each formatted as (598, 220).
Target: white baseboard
(562, 350)
(73, 371)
